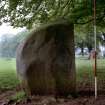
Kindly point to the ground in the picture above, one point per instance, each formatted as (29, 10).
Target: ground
(11, 94)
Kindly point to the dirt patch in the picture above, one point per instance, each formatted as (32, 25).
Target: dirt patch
(84, 98)
(5, 95)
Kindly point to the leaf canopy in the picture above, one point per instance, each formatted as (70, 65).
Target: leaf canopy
(29, 12)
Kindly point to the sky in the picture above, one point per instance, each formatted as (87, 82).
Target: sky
(7, 29)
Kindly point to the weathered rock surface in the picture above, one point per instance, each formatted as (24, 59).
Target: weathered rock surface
(45, 60)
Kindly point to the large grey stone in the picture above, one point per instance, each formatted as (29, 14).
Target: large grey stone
(45, 60)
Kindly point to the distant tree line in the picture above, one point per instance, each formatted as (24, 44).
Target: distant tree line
(84, 37)
(9, 43)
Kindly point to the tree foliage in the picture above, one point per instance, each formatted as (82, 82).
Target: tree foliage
(29, 12)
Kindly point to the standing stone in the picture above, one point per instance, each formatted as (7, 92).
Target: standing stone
(46, 60)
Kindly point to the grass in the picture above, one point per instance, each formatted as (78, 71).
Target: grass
(8, 76)
(84, 71)
(85, 66)
(19, 96)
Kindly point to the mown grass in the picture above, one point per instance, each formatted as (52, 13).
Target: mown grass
(8, 76)
(86, 66)
(84, 71)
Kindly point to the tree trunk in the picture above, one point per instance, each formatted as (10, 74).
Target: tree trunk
(89, 50)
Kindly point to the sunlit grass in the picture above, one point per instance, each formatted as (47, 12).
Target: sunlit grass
(8, 76)
(84, 71)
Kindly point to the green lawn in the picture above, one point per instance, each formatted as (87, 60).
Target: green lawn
(85, 66)
(8, 77)
(84, 71)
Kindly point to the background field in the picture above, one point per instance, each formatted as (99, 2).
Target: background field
(8, 76)
(84, 71)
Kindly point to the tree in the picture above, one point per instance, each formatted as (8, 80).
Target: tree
(84, 37)
(25, 13)
(30, 12)
(9, 43)
(5, 48)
